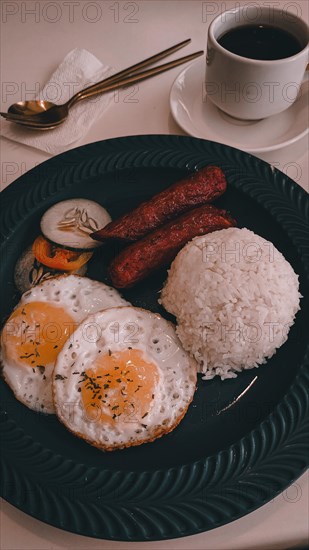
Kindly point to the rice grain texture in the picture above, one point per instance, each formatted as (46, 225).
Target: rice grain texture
(235, 297)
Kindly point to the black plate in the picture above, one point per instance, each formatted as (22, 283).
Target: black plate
(241, 442)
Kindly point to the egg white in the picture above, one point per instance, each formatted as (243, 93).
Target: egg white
(115, 330)
(79, 297)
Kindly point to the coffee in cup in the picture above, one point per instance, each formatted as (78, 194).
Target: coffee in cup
(256, 60)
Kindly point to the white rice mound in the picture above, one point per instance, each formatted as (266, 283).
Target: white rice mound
(235, 298)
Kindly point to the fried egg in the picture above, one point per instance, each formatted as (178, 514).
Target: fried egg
(123, 378)
(38, 328)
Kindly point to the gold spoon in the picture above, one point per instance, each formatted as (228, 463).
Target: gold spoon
(45, 115)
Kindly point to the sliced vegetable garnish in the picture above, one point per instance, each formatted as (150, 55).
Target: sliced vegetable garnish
(70, 223)
(29, 271)
(58, 258)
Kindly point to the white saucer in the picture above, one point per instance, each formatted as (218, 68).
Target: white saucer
(198, 116)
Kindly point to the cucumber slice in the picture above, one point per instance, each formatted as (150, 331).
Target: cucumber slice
(69, 223)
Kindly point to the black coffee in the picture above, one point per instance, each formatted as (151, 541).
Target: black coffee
(260, 42)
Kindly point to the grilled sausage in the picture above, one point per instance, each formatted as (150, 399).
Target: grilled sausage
(202, 187)
(160, 247)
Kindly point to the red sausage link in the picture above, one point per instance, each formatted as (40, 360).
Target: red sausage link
(202, 187)
(161, 246)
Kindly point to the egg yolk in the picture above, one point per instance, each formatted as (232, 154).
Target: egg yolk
(36, 332)
(120, 387)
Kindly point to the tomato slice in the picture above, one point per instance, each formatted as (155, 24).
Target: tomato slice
(58, 258)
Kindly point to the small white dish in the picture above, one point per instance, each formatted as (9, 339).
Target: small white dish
(199, 117)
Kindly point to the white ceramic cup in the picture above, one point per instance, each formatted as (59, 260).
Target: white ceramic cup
(252, 89)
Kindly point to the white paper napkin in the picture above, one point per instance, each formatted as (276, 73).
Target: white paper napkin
(78, 70)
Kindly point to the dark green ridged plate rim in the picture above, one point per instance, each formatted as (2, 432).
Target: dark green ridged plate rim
(184, 499)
